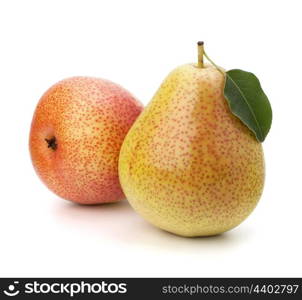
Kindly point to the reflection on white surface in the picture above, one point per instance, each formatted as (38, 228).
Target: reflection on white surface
(120, 222)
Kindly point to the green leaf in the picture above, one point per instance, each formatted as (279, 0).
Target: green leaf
(248, 102)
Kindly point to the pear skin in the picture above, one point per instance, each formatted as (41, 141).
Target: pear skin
(76, 133)
(188, 165)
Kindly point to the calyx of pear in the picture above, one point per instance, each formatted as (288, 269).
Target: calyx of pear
(188, 165)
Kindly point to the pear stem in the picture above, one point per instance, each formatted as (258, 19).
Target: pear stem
(200, 50)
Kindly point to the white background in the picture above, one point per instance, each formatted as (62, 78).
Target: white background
(136, 44)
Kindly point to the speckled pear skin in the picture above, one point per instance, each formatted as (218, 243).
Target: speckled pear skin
(188, 165)
(89, 117)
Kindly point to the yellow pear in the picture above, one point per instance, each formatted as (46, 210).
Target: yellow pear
(188, 165)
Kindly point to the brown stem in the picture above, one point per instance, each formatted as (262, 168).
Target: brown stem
(200, 54)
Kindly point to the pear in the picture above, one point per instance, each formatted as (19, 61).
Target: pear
(76, 133)
(188, 165)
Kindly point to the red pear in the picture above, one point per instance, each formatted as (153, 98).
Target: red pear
(76, 133)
